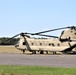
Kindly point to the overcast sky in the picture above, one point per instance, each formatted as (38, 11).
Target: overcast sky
(35, 15)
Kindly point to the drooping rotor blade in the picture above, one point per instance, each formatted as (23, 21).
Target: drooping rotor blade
(50, 30)
(22, 34)
(15, 36)
(12, 37)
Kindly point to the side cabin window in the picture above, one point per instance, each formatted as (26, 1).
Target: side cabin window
(58, 44)
(49, 44)
(40, 44)
(52, 44)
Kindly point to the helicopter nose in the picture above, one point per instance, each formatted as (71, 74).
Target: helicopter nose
(16, 46)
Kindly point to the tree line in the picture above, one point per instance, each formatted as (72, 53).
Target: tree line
(8, 41)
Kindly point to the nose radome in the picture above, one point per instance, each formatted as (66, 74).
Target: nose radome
(16, 45)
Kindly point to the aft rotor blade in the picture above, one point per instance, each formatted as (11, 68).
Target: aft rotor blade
(50, 30)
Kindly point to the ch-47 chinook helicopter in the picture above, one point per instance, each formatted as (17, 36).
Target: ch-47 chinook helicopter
(65, 43)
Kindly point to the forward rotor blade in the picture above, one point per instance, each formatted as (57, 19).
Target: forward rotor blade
(15, 36)
(47, 36)
(12, 37)
(42, 35)
(50, 30)
(29, 33)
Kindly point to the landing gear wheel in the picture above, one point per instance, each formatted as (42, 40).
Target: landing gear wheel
(46, 52)
(54, 52)
(41, 52)
(64, 52)
(34, 52)
(23, 51)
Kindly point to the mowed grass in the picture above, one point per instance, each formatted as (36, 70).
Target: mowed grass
(31, 70)
(35, 70)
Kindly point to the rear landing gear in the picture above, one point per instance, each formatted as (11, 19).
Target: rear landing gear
(54, 52)
(33, 52)
(46, 52)
(41, 52)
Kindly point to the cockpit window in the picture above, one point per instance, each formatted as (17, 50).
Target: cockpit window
(24, 43)
(40, 44)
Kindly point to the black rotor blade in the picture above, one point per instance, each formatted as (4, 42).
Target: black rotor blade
(50, 30)
(48, 36)
(42, 35)
(29, 33)
(15, 36)
(12, 37)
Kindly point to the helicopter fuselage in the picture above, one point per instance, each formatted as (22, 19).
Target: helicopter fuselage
(65, 43)
(43, 44)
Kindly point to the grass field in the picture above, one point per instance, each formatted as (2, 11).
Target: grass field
(9, 49)
(31, 70)
(35, 70)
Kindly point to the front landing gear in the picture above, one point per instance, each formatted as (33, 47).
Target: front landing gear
(23, 51)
